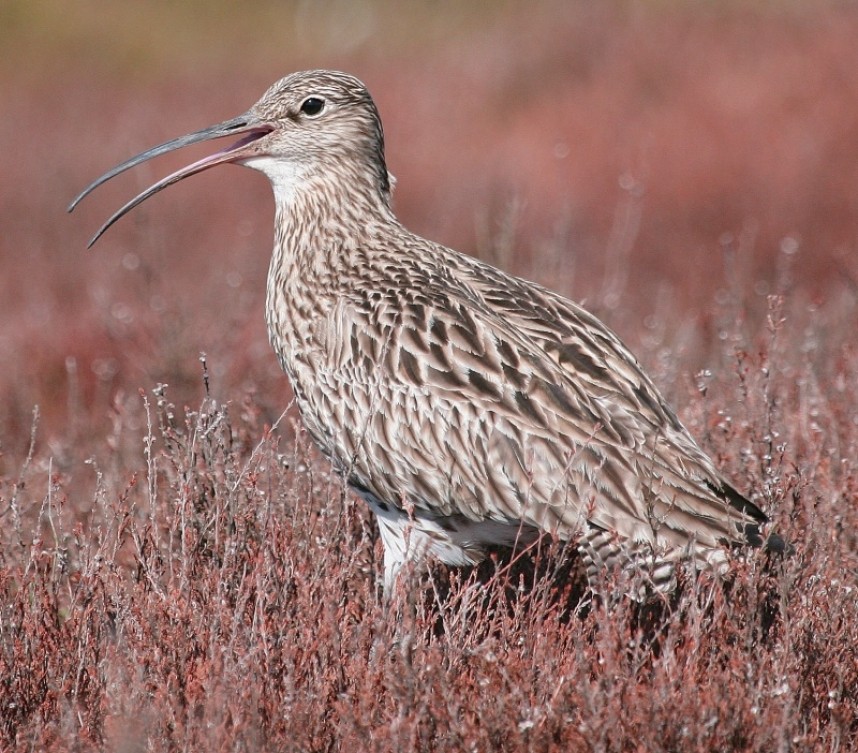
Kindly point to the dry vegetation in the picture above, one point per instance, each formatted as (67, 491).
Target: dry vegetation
(180, 571)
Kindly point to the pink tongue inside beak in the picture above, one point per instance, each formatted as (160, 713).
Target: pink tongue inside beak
(248, 139)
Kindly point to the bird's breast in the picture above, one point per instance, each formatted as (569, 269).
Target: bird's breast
(313, 334)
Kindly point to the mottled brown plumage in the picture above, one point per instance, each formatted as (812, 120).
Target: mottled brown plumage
(468, 407)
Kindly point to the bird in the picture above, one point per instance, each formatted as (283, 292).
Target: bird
(471, 409)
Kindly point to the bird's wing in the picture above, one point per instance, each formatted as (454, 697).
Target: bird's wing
(507, 402)
(599, 366)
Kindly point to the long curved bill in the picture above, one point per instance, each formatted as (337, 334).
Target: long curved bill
(247, 124)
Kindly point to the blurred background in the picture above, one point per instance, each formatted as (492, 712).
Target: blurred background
(647, 158)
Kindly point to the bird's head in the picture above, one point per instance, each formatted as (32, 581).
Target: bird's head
(307, 125)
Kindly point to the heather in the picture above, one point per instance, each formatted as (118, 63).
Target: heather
(180, 570)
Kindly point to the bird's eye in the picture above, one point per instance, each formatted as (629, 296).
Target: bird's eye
(312, 106)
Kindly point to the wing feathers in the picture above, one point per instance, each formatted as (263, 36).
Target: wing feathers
(514, 403)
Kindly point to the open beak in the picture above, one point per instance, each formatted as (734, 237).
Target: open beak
(248, 125)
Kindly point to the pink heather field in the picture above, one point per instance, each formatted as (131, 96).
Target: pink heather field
(180, 570)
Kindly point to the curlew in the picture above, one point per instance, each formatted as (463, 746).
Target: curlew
(471, 409)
